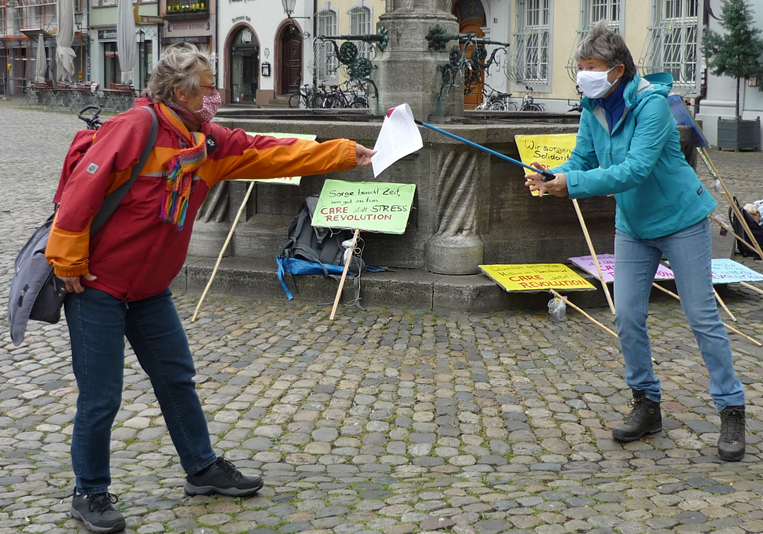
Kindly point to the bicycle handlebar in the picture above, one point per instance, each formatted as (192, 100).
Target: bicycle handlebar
(92, 122)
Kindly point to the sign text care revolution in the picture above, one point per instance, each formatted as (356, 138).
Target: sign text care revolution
(536, 277)
(369, 206)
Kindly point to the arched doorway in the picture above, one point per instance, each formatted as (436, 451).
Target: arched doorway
(471, 19)
(290, 42)
(244, 61)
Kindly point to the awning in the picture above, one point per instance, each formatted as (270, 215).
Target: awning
(34, 33)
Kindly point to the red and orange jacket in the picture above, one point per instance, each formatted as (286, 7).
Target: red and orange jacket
(136, 255)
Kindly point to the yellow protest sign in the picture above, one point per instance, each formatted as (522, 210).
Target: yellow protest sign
(549, 150)
(292, 180)
(536, 277)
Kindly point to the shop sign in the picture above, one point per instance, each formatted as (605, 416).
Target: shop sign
(107, 35)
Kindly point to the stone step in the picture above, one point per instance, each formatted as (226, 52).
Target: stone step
(278, 102)
(402, 288)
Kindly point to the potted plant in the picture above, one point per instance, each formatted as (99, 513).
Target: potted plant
(736, 54)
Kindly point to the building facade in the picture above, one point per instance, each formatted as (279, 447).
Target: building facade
(104, 56)
(342, 18)
(261, 54)
(720, 96)
(21, 24)
(260, 51)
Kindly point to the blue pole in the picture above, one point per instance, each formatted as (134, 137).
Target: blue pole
(547, 176)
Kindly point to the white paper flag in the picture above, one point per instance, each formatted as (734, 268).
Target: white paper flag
(399, 137)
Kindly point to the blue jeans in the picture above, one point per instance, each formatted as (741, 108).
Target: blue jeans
(689, 252)
(98, 324)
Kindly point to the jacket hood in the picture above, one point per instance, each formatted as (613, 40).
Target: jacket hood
(660, 83)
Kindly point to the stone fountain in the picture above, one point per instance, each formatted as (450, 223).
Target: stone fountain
(470, 208)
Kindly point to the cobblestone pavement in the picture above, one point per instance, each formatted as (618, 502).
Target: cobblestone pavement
(386, 420)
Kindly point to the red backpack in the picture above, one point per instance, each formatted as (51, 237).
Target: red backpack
(82, 141)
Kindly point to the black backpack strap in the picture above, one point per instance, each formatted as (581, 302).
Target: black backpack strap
(113, 199)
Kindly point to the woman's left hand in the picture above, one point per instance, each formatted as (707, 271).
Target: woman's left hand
(363, 155)
(556, 187)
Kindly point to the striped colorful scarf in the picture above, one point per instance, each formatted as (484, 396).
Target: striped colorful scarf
(181, 167)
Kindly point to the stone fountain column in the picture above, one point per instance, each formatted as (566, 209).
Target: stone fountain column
(410, 72)
(456, 246)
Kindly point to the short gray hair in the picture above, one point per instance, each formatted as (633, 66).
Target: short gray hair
(608, 46)
(178, 67)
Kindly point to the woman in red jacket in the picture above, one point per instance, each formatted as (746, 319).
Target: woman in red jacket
(119, 278)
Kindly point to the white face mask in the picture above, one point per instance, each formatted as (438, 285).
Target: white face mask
(594, 83)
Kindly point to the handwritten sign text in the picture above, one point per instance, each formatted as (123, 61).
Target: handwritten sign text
(370, 206)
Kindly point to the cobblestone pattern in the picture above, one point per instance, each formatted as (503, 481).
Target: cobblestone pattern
(382, 421)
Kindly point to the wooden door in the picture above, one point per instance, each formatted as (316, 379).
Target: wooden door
(473, 99)
(291, 61)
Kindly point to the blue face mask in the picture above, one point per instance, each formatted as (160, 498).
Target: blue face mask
(594, 83)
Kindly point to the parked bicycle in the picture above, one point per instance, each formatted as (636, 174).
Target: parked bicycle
(346, 96)
(308, 97)
(493, 100)
(528, 102)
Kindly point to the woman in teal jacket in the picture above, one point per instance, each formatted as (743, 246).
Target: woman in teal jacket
(628, 146)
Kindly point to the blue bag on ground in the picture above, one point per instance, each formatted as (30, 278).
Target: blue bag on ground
(314, 250)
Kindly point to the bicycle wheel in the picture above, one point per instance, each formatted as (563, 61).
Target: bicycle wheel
(317, 101)
(496, 105)
(359, 102)
(294, 100)
(331, 101)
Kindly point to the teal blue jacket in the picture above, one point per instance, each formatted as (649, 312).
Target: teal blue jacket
(640, 162)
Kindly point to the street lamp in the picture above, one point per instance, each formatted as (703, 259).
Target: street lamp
(288, 7)
(78, 16)
(80, 24)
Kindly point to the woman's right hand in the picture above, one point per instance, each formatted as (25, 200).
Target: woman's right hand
(556, 187)
(73, 283)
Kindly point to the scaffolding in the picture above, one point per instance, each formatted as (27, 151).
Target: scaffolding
(21, 23)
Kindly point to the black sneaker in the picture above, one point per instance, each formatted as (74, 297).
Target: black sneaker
(97, 512)
(222, 478)
(645, 418)
(732, 441)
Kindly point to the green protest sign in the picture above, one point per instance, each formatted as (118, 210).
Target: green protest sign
(370, 206)
(292, 180)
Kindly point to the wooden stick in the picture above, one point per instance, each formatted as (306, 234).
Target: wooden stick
(717, 296)
(724, 324)
(666, 291)
(743, 335)
(750, 286)
(723, 305)
(557, 295)
(593, 255)
(729, 198)
(742, 239)
(222, 252)
(344, 274)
